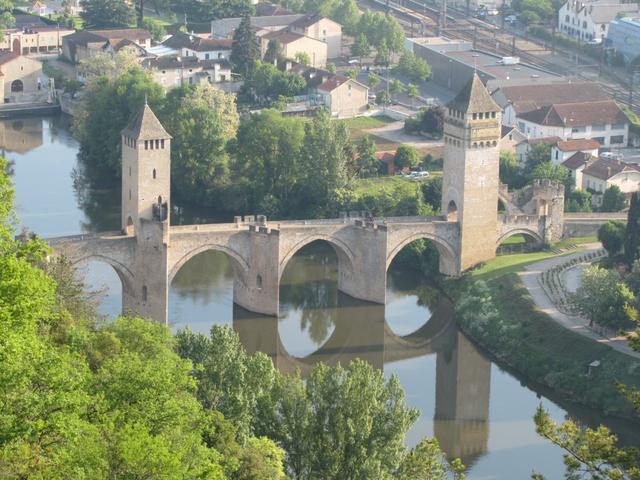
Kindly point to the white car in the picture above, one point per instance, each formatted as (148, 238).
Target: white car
(419, 175)
(595, 41)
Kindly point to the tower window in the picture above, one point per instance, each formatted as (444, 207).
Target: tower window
(134, 143)
(481, 115)
(129, 194)
(129, 171)
(154, 173)
(144, 293)
(475, 116)
(493, 114)
(157, 144)
(162, 143)
(146, 144)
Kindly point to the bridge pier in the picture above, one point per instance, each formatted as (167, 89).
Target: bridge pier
(364, 276)
(258, 289)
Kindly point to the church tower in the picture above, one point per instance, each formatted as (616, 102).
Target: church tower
(472, 130)
(146, 169)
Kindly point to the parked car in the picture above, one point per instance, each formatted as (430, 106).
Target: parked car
(510, 19)
(595, 41)
(419, 175)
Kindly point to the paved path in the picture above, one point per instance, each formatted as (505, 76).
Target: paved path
(531, 276)
(394, 132)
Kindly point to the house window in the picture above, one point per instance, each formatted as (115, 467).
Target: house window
(556, 154)
(617, 126)
(617, 139)
(598, 126)
(206, 56)
(600, 140)
(578, 129)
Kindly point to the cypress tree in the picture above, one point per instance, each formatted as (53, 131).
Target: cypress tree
(632, 234)
(245, 49)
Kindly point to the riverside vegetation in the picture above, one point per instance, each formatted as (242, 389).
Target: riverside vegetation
(81, 398)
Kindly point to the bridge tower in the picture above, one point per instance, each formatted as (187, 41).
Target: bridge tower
(146, 169)
(472, 130)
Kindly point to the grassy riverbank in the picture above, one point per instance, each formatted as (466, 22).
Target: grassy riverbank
(533, 344)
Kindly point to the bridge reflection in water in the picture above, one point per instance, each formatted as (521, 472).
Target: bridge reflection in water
(361, 331)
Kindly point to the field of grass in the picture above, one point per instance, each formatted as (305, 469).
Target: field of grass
(366, 123)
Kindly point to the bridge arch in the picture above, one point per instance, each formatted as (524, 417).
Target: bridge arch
(446, 251)
(343, 252)
(532, 234)
(240, 265)
(125, 275)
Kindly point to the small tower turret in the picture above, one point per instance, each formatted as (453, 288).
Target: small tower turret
(146, 171)
(472, 130)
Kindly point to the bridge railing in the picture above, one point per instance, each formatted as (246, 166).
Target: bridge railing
(84, 236)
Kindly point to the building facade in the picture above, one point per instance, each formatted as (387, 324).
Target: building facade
(294, 43)
(175, 71)
(343, 97)
(624, 38)
(32, 40)
(22, 78)
(320, 28)
(589, 20)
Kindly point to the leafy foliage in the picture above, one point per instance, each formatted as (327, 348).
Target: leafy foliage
(613, 200)
(406, 157)
(632, 234)
(428, 121)
(107, 13)
(245, 49)
(611, 234)
(416, 69)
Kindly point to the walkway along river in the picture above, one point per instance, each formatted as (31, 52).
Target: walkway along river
(477, 410)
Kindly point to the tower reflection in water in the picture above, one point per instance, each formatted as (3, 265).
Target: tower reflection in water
(462, 373)
(319, 324)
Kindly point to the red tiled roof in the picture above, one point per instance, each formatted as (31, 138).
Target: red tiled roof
(578, 145)
(578, 159)
(577, 114)
(526, 98)
(605, 168)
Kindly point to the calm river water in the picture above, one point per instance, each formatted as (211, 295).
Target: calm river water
(477, 410)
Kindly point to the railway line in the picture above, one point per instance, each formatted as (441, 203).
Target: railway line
(489, 38)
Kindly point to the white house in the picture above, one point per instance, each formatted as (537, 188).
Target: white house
(576, 164)
(604, 173)
(565, 149)
(190, 45)
(589, 20)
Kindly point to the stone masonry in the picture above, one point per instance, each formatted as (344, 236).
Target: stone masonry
(148, 252)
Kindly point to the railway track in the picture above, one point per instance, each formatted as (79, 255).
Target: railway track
(489, 38)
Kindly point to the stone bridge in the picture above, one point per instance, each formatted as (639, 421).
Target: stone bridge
(260, 251)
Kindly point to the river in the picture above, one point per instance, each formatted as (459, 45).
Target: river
(477, 410)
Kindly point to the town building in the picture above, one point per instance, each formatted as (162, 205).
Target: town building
(511, 138)
(564, 110)
(21, 78)
(624, 38)
(565, 149)
(88, 43)
(312, 26)
(453, 63)
(320, 28)
(294, 43)
(576, 164)
(523, 148)
(590, 19)
(188, 44)
(176, 71)
(224, 27)
(31, 40)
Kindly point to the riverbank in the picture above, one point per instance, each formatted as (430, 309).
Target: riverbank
(543, 351)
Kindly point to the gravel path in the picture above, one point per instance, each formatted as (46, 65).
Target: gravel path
(531, 279)
(394, 132)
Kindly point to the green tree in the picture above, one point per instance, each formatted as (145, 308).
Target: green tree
(611, 234)
(367, 159)
(351, 73)
(578, 201)
(361, 47)
(373, 80)
(396, 87)
(201, 119)
(426, 461)
(415, 69)
(613, 200)
(511, 173)
(302, 58)
(383, 98)
(267, 81)
(406, 157)
(538, 153)
(268, 153)
(326, 155)
(602, 298)
(412, 92)
(273, 52)
(107, 13)
(106, 108)
(550, 171)
(383, 56)
(155, 28)
(632, 234)
(245, 49)
(6, 17)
